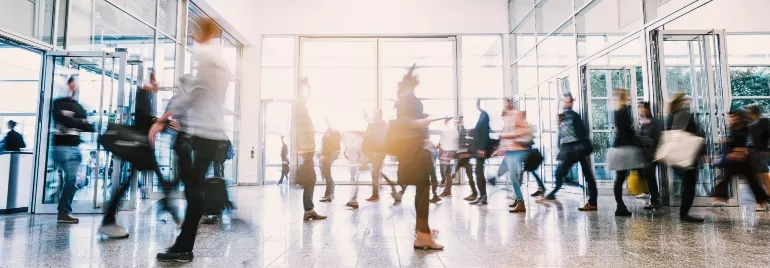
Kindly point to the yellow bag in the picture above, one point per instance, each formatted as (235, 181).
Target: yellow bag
(636, 185)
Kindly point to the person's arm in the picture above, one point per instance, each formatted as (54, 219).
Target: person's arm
(68, 121)
(580, 128)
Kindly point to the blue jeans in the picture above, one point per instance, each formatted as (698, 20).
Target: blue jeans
(67, 158)
(514, 161)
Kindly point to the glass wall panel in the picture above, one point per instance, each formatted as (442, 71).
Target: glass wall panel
(278, 75)
(28, 18)
(518, 9)
(551, 13)
(556, 52)
(143, 9)
(167, 17)
(525, 73)
(523, 37)
(604, 22)
(19, 89)
(165, 61)
(481, 75)
(107, 28)
(655, 9)
(193, 14)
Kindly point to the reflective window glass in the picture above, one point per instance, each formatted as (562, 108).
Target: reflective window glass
(551, 13)
(556, 52)
(604, 22)
(143, 9)
(28, 18)
(523, 37)
(167, 17)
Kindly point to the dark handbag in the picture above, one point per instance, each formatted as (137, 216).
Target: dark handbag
(534, 160)
(215, 196)
(130, 145)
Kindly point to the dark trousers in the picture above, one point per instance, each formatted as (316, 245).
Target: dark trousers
(464, 163)
(306, 175)
(649, 174)
(563, 169)
(417, 164)
(742, 168)
(620, 178)
(326, 172)
(433, 178)
(112, 207)
(446, 172)
(193, 191)
(689, 181)
(480, 179)
(219, 169)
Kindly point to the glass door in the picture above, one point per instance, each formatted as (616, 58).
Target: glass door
(276, 130)
(101, 79)
(601, 85)
(695, 62)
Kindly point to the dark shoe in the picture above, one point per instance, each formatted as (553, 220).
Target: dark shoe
(538, 193)
(352, 204)
(175, 257)
(546, 199)
(482, 200)
(492, 181)
(66, 218)
(622, 212)
(397, 196)
(688, 218)
(471, 197)
(588, 207)
(519, 208)
(652, 207)
(210, 219)
(312, 215)
(435, 199)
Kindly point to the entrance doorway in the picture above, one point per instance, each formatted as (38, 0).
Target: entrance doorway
(695, 62)
(106, 89)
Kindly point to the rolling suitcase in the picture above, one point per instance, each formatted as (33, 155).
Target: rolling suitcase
(215, 196)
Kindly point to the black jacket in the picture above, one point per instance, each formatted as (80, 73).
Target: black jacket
(649, 136)
(70, 120)
(624, 127)
(13, 141)
(760, 134)
(143, 115)
(481, 133)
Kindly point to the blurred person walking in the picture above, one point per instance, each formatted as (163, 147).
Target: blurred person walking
(305, 134)
(284, 162)
(682, 119)
(574, 147)
(330, 151)
(13, 141)
(515, 138)
(483, 147)
(649, 137)
(624, 154)
(204, 110)
(70, 120)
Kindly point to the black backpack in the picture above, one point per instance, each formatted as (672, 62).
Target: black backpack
(130, 145)
(215, 196)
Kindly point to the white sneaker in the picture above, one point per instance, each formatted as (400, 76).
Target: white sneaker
(761, 207)
(396, 196)
(643, 196)
(719, 203)
(113, 231)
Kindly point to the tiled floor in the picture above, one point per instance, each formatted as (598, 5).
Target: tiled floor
(267, 230)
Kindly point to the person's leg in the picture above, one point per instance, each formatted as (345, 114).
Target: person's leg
(326, 168)
(449, 180)
(112, 207)
(752, 177)
(466, 164)
(307, 174)
(652, 183)
(433, 180)
(219, 169)
(722, 189)
(376, 175)
(561, 171)
(480, 180)
(69, 159)
(588, 173)
(514, 163)
(193, 186)
(620, 179)
(540, 184)
(689, 182)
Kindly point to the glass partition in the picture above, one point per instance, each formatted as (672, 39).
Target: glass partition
(19, 90)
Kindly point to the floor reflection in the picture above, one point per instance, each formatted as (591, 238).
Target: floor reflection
(267, 231)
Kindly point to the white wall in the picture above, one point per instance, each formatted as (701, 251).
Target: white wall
(255, 18)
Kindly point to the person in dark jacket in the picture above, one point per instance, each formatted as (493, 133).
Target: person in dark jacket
(465, 153)
(330, 150)
(483, 150)
(759, 137)
(623, 137)
(374, 143)
(284, 161)
(13, 141)
(682, 119)
(649, 132)
(70, 120)
(735, 161)
(574, 147)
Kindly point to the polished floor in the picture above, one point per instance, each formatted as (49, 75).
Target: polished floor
(267, 231)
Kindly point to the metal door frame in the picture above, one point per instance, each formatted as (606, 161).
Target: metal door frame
(43, 133)
(707, 56)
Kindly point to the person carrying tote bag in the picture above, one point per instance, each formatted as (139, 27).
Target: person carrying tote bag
(624, 155)
(679, 148)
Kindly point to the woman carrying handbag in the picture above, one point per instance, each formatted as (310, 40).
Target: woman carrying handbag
(624, 156)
